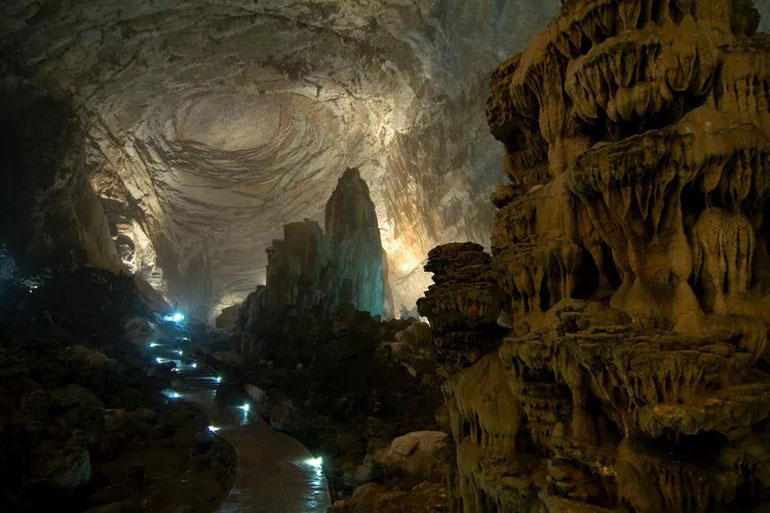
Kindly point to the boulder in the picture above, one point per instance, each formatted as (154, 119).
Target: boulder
(424, 441)
(75, 395)
(420, 454)
(69, 468)
(78, 408)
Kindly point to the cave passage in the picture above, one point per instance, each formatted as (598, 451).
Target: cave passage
(274, 473)
(356, 327)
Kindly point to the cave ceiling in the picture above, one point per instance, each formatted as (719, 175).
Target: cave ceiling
(210, 124)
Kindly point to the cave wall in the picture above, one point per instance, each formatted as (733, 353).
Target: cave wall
(209, 126)
(221, 122)
(49, 214)
(629, 264)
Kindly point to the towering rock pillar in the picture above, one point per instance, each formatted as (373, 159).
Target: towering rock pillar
(352, 230)
(312, 272)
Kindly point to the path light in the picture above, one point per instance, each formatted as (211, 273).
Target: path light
(174, 317)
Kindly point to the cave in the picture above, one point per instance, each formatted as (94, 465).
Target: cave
(439, 256)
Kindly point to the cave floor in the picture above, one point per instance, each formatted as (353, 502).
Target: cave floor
(274, 472)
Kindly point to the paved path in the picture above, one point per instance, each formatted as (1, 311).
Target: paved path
(274, 472)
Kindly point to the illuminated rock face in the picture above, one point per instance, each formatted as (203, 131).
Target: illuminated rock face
(312, 271)
(630, 245)
(210, 125)
(354, 234)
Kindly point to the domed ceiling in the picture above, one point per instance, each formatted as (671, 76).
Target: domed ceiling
(212, 123)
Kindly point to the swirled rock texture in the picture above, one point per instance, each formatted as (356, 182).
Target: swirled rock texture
(208, 125)
(630, 246)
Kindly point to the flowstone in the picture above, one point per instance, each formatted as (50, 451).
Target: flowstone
(630, 257)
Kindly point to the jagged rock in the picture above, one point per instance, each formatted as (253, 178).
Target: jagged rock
(228, 317)
(320, 274)
(299, 273)
(352, 229)
(413, 348)
(630, 253)
(462, 305)
(309, 270)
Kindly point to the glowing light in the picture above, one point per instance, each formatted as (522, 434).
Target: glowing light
(180, 352)
(194, 365)
(174, 317)
(153, 344)
(159, 360)
(246, 407)
(214, 429)
(218, 379)
(171, 394)
(174, 369)
(316, 463)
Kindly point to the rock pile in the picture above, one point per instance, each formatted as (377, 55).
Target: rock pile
(82, 422)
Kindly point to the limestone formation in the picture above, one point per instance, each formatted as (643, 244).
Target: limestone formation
(354, 235)
(631, 251)
(463, 304)
(299, 270)
(310, 271)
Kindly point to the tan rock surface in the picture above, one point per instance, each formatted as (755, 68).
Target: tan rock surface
(631, 253)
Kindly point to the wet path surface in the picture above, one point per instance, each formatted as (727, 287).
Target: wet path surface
(274, 472)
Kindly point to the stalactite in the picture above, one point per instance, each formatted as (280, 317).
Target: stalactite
(627, 253)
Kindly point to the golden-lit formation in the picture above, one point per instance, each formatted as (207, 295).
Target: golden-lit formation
(630, 252)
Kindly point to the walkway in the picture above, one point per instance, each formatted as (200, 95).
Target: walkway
(274, 472)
